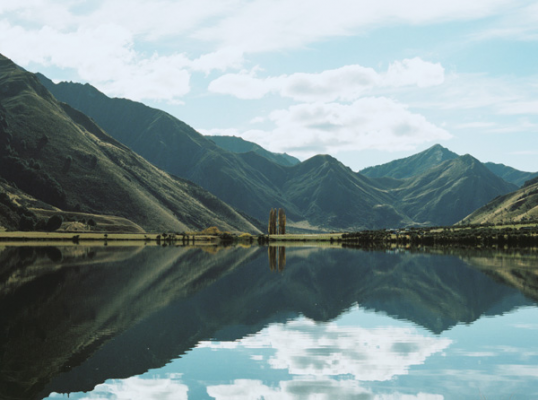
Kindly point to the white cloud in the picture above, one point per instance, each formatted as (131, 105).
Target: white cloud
(323, 389)
(320, 128)
(307, 349)
(104, 42)
(103, 56)
(243, 85)
(346, 83)
(415, 71)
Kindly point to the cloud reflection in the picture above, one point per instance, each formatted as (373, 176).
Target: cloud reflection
(321, 350)
(247, 389)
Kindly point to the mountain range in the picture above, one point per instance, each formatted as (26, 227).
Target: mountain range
(434, 187)
(71, 147)
(61, 157)
(422, 162)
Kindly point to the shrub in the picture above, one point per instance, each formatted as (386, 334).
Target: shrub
(54, 223)
(27, 223)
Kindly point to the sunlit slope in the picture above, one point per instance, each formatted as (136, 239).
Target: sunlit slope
(60, 156)
(518, 206)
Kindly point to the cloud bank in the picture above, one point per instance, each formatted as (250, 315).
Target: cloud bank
(367, 123)
(346, 83)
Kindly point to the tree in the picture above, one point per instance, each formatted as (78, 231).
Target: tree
(272, 222)
(281, 221)
(27, 223)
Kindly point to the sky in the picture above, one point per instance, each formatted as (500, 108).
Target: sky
(366, 82)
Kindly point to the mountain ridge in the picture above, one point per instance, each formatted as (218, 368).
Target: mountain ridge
(319, 193)
(238, 145)
(60, 156)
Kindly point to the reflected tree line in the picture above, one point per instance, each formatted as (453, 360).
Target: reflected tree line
(273, 252)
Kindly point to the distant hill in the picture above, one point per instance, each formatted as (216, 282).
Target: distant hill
(413, 165)
(510, 174)
(421, 162)
(61, 157)
(445, 194)
(238, 145)
(518, 206)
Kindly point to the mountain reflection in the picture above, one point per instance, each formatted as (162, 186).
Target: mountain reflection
(60, 308)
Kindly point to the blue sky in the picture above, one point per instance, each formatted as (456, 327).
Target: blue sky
(366, 82)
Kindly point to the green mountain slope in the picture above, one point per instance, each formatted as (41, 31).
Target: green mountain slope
(330, 193)
(510, 174)
(449, 192)
(413, 165)
(177, 148)
(238, 145)
(518, 206)
(319, 193)
(60, 156)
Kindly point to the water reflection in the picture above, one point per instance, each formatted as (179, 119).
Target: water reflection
(305, 348)
(272, 253)
(73, 318)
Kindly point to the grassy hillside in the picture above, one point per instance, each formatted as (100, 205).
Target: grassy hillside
(60, 156)
(518, 206)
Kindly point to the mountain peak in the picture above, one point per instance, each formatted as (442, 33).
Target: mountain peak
(413, 165)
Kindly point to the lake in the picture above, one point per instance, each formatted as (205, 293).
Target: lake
(299, 322)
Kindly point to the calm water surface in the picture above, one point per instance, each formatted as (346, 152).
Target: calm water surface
(259, 323)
